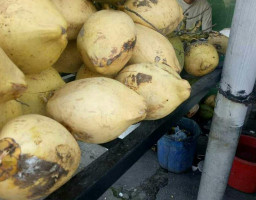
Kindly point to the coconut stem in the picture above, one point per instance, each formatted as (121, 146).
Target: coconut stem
(132, 11)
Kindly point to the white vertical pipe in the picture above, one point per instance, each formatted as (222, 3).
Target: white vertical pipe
(238, 78)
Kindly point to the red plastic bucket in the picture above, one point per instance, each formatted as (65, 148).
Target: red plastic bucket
(243, 173)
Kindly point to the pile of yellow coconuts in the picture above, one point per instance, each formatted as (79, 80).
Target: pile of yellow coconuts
(127, 71)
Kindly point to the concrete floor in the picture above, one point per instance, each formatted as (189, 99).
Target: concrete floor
(145, 180)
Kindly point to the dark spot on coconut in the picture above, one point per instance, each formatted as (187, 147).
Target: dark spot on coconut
(127, 46)
(133, 78)
(35, 170)
(81, 33)
(63, 30)
(9, 155)
(152, 109)
(109, 62)
(18, 89)
(157, 59)
(166, 70)
(143, 78)
(94, 60)
(64, 154)
(83, 136)
(140, 3)
(114, 50)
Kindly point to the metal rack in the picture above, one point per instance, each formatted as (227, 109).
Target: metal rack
(97, 177)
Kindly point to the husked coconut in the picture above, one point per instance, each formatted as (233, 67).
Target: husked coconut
(201, 58)
(96, 110)
(40, 88)
(12, 80)
(38, 155)
(70, 59)
(76, 12)
(106, 41)
(162, 88)
(32, 33)
(84, 72)
(161, 15)
(151, 46)
(8, 111)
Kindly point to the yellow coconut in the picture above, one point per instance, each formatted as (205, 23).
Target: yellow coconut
(38, 155)
(76, 12)
(151, 46)
(106, 41)
(164, 15)
(70, 59)
(96, 110)
(200, 58)
(84, 72)
(219, 41)
(8, 111)
(40, 88)
(12, 80)
(33, 33)
(162, 88)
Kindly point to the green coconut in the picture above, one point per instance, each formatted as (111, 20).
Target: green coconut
(178, 47)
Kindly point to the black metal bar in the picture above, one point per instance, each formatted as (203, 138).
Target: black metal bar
(104, 171)
(112, 143)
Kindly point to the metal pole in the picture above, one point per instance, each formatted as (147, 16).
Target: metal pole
(238, 78)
